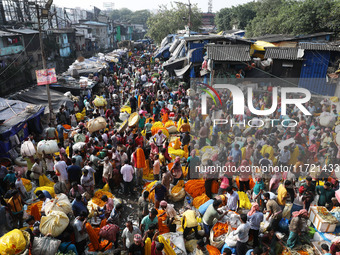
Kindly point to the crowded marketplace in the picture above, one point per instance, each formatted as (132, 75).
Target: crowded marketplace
(136, 167)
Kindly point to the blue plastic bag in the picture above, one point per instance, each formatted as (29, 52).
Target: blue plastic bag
(284, 225)
(233, 250)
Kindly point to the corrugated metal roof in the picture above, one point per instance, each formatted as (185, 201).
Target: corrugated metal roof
(285, 37)
(236, 53)
(287, 53)
(94, 23)
(5, 33)
(26, 31)
(318, 46)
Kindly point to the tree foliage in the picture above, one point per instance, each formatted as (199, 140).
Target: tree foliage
(282, 17)
(295, 17)
(126, 15)
(167, 21)
(239, 16)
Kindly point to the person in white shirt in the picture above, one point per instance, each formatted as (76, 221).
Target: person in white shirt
(127, 172)
(87, 181)
(44, 200)
(242, 233)
(128, 234)
(80, 233)
(123, 156)
(233, 199)
(159, 138)
(20, 186)
(107, 170)
(36, 170)
(61, 170)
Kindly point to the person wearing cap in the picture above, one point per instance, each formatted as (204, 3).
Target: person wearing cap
(297, 226)
(326, 193)
(171, 214)
(137, 248)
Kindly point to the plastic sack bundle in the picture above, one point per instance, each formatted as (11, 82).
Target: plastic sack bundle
(231, 240)
(45, 246)
(99, 101)
(61, 204)
(327, 121)
(12, 243)
(27, 149)
(55, 223)
(96, 124)
(49, 147)
(78, 146)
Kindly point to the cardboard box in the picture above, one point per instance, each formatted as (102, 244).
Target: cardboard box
(318, 222)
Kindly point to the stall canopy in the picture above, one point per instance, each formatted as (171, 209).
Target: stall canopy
(17, 120)
(38, 95)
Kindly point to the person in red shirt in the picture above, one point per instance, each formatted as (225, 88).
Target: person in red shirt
(139, 141)
(156, 247)
(166, 153)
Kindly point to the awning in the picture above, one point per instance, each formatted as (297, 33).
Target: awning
(181, 72)
(261, 45)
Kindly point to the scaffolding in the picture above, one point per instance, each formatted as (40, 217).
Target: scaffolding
(24, 12)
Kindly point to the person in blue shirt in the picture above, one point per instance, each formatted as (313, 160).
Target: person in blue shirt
(10, 177)
(236, 153)
(46, 193)
(60, 130)
(78, 206)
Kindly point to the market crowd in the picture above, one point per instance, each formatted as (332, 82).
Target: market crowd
(93, 172)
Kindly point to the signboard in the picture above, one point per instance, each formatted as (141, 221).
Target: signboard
(46, 76)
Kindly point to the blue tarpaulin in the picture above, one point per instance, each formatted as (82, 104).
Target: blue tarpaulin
(17, 119)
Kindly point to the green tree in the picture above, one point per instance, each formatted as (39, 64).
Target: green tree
(123, 14)
(223, 19)
(167, 21)
(295, 17)
(239, 16)
(140, 17)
